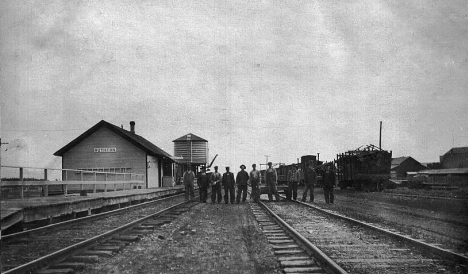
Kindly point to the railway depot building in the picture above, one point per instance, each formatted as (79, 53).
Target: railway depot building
(109, 148)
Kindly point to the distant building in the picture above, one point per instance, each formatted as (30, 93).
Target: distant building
(456, 157)
(109, 148)
(402, 165)
(433, 165)
(454, 177)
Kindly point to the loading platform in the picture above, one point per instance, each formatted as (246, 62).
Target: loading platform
(30, 210)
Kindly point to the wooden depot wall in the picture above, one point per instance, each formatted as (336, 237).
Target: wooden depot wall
(105, 149)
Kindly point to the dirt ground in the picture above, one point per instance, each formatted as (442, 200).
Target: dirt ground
(209, 238)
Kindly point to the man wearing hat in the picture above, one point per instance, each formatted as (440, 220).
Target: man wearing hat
(328, 184)
(189, 177)
(255, 183)
(270, 178)
(242, 178)
(202, 182)
(293, 179)
(228, 184)
(215, 180)
(310, 179)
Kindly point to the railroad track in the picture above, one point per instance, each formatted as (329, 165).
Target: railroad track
(69, 246)
(294, 252)
(364, 248)
(417, 196)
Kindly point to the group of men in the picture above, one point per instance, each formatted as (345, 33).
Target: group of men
(227, 181)
(310, 180)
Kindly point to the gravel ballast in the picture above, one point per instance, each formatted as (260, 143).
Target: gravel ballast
(209, 238)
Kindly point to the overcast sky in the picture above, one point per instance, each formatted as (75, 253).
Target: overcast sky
(254, 78)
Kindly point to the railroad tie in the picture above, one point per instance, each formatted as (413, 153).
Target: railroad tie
(281, 247)
(100, 253)
(83, 259)
(291, 270)
(285, 240)
(273, 231)
(69, 265)
(56, 271)
(127, 238)
(293, 258)
(288, 251)
(112, 248)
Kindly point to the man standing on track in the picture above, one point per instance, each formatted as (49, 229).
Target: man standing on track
(241, 180)
(228, 184)
(189, 177)
(255, 177)
(202, 182)
(293, 179)
(215, 180)
(328, 185)
(270, 178)
(310, 179)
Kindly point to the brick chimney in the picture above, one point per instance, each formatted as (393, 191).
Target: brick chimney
(132, 127)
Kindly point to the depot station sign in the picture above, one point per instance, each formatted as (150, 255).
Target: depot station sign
(105, 149)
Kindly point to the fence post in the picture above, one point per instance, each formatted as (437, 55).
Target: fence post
(105, 185)
(95, 180)
(45, 174)
(65, 186)
(81, 175)
(46, 190)
(21, 180)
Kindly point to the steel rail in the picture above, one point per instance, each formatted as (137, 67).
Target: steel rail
(9, 237)
(425, 197)
(441, 252)
(328, 264)
(75, 248)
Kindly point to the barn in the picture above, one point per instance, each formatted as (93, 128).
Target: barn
(109, 148)
(402, 165)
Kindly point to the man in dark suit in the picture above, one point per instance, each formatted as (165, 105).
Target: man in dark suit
(228, 184)
(242, 178)
(203, 182)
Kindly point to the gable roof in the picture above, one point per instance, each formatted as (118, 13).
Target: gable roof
(396, 162)
(399, 160)
(133, 138)
(457, 150)
(193, 137)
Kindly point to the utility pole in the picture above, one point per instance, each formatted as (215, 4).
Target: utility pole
(380, 136)
(1, 172)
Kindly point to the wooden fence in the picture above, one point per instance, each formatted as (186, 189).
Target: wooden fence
(73, 180)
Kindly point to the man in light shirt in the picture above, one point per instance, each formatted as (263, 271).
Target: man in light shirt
(189, 178)
(255, 178)
(215, 180)
(270, 178)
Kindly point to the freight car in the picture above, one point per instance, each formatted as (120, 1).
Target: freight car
(365, 168)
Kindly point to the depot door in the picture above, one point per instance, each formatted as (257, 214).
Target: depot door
(152, 171)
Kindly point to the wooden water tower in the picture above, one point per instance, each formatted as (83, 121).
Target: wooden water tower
(190, 149)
